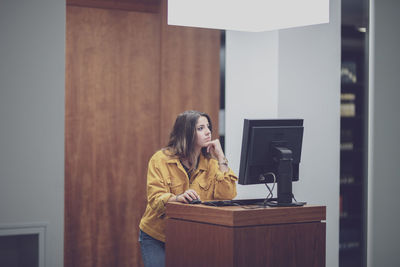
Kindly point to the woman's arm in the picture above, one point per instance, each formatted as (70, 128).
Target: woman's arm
(158, 191)
(215, 149)
(225, 184)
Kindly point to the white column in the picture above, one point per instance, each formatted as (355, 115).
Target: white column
(251, 91)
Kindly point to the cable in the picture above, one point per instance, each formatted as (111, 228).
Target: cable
(271, 190)
(267, 200)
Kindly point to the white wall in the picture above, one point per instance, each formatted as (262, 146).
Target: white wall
(32, 42)
(309, 88)
(384, 176)
(251, 91)
(291, 73)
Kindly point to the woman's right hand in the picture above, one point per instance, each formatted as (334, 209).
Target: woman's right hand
(187, 196)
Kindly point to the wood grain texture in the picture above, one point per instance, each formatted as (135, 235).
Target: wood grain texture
(199, 244)
(238, 216)
(152, 6)
(281, 245)
(275, 244)
(112, 128)
(121, 99)
(190, 72)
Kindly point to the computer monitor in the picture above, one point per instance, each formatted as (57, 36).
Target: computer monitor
(271, 151)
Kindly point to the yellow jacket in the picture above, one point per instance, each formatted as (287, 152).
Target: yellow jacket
(166, 177)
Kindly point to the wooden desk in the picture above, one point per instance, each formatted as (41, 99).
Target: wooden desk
(199, 235)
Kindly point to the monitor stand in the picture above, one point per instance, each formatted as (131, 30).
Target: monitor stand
(283, 157)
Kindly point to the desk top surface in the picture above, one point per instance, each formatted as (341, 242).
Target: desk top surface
(245, 216)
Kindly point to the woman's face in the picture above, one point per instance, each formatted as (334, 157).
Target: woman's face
(203, 133)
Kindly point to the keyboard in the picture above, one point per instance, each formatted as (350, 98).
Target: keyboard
(234, 202)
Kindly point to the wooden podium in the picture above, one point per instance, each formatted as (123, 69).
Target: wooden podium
(199, 235)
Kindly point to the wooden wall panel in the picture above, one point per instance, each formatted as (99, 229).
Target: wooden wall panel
(112, 128)
(190, 72)
(128, 75)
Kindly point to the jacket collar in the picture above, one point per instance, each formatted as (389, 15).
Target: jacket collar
(203, 162)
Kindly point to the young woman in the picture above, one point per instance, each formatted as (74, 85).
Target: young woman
(192, 166)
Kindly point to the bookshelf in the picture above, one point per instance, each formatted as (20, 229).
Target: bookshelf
(353, 149)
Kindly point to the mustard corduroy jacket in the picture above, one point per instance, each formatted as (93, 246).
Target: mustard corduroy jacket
(166, 178)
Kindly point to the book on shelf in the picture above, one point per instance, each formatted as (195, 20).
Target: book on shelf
(346, 135)
(347, 179)
(348, 72)
(348, 110)
(347, 97)
(348, 106)
(346, 146)
(349, 245)
(343, 215)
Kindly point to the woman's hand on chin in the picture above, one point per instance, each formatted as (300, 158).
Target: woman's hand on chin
(215, 149)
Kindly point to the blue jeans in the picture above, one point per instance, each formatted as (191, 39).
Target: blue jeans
(153, 250)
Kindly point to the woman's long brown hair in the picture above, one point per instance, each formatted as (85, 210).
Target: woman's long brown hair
(182, 139)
